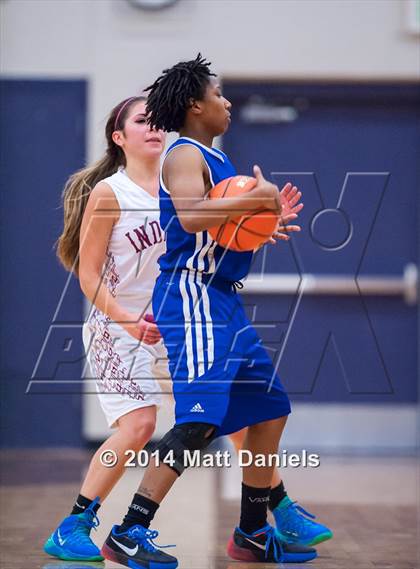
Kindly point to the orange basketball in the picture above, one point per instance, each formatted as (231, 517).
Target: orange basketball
(249, 230)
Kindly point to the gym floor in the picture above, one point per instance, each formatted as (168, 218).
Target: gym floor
(371, 504)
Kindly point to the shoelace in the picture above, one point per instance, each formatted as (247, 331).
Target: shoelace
(273, 541)
(86, 522)
(145, 537)
(295, 506)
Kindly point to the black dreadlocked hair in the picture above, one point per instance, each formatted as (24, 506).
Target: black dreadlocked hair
(170, 95)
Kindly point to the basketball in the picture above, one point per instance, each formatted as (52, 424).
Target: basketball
(249, 230)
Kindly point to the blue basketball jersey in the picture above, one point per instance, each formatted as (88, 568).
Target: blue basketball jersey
(198, 251)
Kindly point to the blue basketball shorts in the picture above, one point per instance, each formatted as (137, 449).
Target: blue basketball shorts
(221, 373)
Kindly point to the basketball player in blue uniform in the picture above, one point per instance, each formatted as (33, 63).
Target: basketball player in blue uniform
(223, 379)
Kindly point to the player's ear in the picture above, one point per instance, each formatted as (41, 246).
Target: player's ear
(117, 137)
(195, 106)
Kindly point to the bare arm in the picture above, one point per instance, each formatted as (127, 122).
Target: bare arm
(185, 174)
(102, 212)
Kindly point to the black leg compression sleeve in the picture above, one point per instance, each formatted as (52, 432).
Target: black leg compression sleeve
(188, 436)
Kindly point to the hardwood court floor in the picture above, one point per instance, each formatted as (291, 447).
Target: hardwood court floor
(372, 510)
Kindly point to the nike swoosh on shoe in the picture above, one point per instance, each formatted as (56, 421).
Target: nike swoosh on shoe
(256, 544)
(61, 541)
(128, 550)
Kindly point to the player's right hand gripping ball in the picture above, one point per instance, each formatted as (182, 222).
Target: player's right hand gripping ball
(249, 230)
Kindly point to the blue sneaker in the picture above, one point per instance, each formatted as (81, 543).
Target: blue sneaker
(295, 525)
(135, 548)
(264, 546)
(71, 540)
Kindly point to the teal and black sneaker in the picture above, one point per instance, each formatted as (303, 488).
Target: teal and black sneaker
(136, 549)
(71, 540)
(296, 525)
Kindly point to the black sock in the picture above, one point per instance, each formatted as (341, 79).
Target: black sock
(82, 503)
(140, 511)
(276, 496)
(253, 508)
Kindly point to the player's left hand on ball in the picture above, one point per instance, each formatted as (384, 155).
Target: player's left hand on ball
(290, 202)
(290, 207)
(282, 233)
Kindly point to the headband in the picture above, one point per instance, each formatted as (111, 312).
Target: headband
(121, 110)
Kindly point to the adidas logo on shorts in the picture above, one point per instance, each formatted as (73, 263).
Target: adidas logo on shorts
(197, 409)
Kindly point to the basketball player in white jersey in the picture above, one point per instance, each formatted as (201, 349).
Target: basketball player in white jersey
(112, 240)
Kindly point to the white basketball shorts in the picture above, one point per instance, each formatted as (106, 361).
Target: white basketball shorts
(125, 371)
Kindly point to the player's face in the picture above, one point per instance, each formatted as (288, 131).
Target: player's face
(138, 138)
(216, 110)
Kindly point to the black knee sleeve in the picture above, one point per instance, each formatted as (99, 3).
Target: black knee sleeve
(188, 436)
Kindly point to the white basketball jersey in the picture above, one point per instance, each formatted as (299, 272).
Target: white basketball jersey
(137, 241)
(124, 369)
